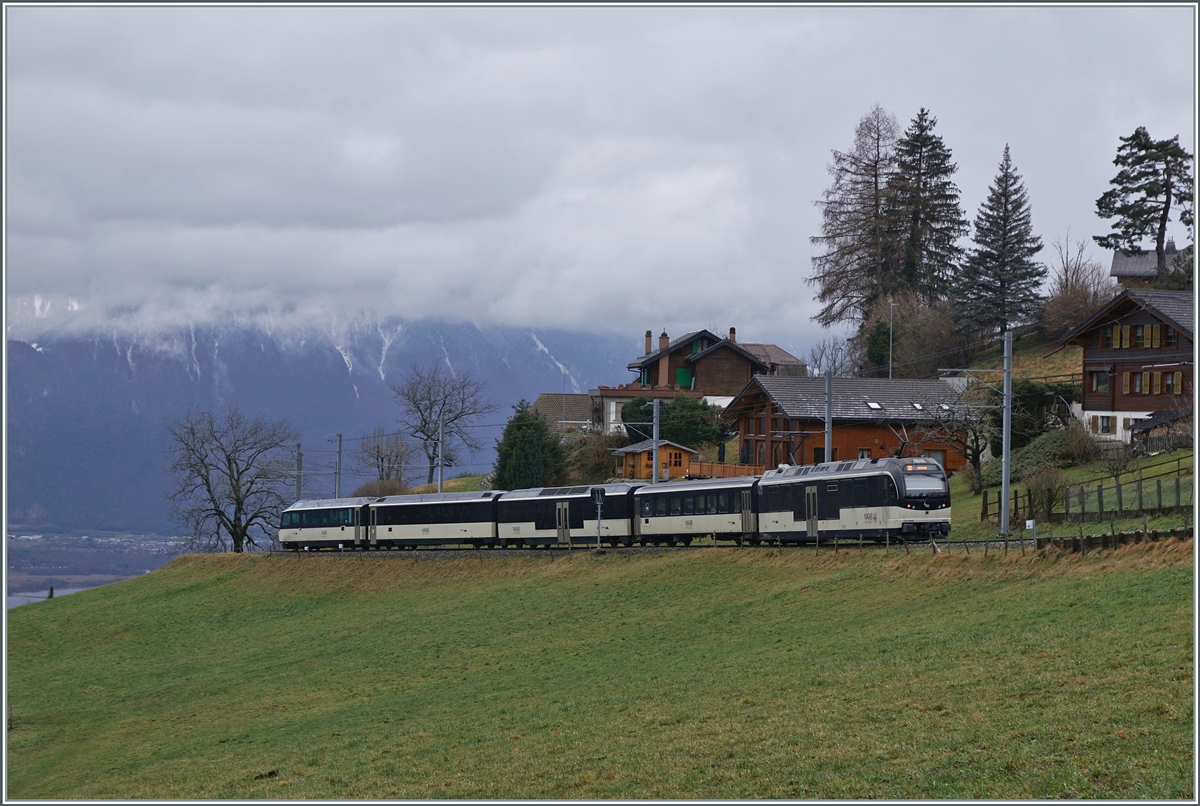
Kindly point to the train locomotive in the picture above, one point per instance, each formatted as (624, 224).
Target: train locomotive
(891, 499)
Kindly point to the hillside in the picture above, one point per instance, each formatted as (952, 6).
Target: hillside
(708, 674)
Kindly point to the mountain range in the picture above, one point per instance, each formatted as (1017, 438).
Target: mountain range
(88, 411)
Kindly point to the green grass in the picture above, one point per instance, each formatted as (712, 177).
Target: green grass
(709, 674)
(966, 507)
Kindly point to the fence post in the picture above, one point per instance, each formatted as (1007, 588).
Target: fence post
(1177, 503)
(1082, 504)
(1028, 507)
(983, 514)
(1158, 483)
(1139, 489)
(1067, 506)
(1100, 502)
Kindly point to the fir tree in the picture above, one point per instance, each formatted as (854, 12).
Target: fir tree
(925, 218)
(849, 274)
(1154, 175)
(999, 283)
(527, 454)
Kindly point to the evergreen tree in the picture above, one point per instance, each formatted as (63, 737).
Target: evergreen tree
(849, 275)
(684, 420)
(925, 219)
(1154, 175)
(527, 454)
(999, 283)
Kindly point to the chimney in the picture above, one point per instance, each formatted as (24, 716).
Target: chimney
(664, 361)
(733, 334)
(648, 336)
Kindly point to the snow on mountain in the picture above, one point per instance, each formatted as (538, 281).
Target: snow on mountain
(88, 409)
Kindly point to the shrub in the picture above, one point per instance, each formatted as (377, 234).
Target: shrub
(1080, 447)
(1046, 487)
(1047, 451)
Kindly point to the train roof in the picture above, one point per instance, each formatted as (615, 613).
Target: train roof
(699, 484)
(329, 503)
(785, 473)
(435, 498)
(581, 490)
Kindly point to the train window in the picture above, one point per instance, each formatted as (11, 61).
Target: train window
(860, 492)
(921, 485)
(660, 506)
(647, 507)
(735, 501)
(891, 489)
(711, 509)
(700, 504)
(723, 503)
(831, 487)
(288, 520)
(676, 505)
(687, 505)
(772, 499)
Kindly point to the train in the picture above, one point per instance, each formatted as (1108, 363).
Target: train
(882, 499)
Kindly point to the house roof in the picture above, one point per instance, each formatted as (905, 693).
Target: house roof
(1159, 418)
(1143, 265)
(647, 445)
(557, 408)
(861, 399)
(741, 349)
(651, 357)
(1176, 308)
(772, 354)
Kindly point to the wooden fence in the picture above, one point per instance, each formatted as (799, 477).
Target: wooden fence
(717, 470)
(1158, 489)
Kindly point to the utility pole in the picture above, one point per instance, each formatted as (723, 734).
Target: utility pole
(890, 306)
(337, 468)
(440, 454)
(829, 415)
(654, 448)
(299, 470)
(1006, 437)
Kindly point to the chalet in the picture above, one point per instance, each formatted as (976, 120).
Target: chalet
(781, 420)
(1137, 360)
(565, 412)
(637, 461)
(1140, 271)
(699, 364)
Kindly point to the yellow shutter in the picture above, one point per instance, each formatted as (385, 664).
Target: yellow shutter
(1125, 423)
(1155, 336)
(1179, 383)
(1095, 424)
(1125, 383)
(1126, 336)
(1157, 382)
(1145, 383)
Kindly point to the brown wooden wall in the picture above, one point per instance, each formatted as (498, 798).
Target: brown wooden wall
(1127, 356)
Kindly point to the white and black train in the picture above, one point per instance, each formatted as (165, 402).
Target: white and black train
(872, 499)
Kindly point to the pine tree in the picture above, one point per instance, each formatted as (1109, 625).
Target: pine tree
(849, 274)
(527, 454)
(999, 283)
(1154, 174)
(925, 219)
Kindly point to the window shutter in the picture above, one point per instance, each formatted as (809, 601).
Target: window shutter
(1179, 383)
(1095, 424)
(1157, 381)
(1155, 336)
(1146, 383)
(1125, 423)
(1125, 382)
(1126, 336)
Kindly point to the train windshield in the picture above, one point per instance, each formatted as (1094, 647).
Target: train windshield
(919, 485)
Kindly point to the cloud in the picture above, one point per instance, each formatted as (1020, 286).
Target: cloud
(606, 169)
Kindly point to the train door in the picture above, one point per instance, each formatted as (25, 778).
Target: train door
(810, 510)
(371, 527)
(353, 525)
(562, 519)
(748, 524)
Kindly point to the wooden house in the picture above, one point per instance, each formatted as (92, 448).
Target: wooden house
(637, 461)
(1138, 359)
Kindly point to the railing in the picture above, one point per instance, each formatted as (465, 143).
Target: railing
(723, 471)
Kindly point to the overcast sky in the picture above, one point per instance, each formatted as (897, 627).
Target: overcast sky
(604, 169)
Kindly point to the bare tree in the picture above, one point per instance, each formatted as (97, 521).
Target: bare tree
(1117, 459)
(432, 398)
(231, 473)
(835, 354)
(385, 457)
(1078, 285)
(964, 426)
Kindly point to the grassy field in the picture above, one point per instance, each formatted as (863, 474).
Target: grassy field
(721, 673)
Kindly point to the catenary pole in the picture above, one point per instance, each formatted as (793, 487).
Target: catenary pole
(829, 414)
(654, 446)
(440, 454)
(1006, 437)
(299, 471)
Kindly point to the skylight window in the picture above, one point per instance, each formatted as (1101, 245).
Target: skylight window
(873, 406)
(945, 406)
(918, 407)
